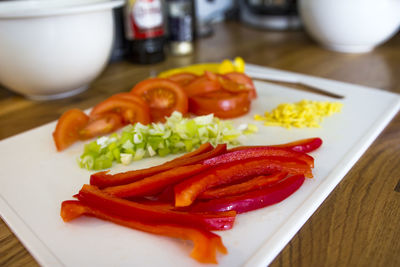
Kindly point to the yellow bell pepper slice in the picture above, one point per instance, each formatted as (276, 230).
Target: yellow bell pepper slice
(225, 66)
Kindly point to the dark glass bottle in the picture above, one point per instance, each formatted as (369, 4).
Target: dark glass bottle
(181, 26)
(144, 31)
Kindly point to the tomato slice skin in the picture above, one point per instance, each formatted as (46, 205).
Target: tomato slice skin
(68, 128)
(131, 110)
(183, 78)
(202, 85)
(231, 86)
(131, 97)
(163, 97)
(245, 80)
(223, 104)
(101, 125)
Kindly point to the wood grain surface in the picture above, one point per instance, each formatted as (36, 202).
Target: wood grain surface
(357, 225)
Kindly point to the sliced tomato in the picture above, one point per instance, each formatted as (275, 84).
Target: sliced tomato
(182, 78)
(231, 86)
(163, 97)
(222, 103)
(68, 127)
(211, 75)
(243, 79)
(131, 97)
(203, 84)
(131, 108)
(101, 125)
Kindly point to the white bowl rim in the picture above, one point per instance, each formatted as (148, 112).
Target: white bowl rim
(45, 8)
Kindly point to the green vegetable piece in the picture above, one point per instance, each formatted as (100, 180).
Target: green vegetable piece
(163, 152)
(117, 154)
(102, 162)
(127, 145)
(87, 161)
(92, 147)
(176, 135)
(188, 145)
(154, 141)
(139, 154)
(126, 136)
(140, 146)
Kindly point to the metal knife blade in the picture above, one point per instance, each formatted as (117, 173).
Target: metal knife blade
(292, 80)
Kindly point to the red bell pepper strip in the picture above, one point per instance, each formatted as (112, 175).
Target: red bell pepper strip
(203, 148)
(255, 183)
(156, 183)
(188, 190)
(72, 209)
(258, 151)
(102, 179)
(304, 145)
(94, 197)
(206, 243)
(252, 200)
(157, 203)
(167, 195)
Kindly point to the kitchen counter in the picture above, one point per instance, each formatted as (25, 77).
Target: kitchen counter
(357, 225)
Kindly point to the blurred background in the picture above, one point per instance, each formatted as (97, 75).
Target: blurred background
(199, 16)
(146, 32)
(355, 26)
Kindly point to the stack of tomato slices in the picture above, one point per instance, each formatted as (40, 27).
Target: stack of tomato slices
(199, 192)
(151, 100)
(226, 96)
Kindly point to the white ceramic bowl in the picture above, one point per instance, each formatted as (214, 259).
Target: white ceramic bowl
(353, 26)
(54, 48)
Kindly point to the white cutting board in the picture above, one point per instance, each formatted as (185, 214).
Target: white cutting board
(35, 179)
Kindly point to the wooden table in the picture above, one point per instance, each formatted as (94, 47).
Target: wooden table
(357, 225)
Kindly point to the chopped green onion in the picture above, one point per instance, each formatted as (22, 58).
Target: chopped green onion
(176, 135)
(126, 158)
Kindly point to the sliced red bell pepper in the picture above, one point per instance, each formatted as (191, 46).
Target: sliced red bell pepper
(257, 151)
(167, 195)
(156, 183)
(182, 161)
(203, 148)
(206, 243)
(72, 209)
(157, 203)
(304, 145)
(94, 197)
(255, 183)
(102, 179)
(254, 199)
(188, 190)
